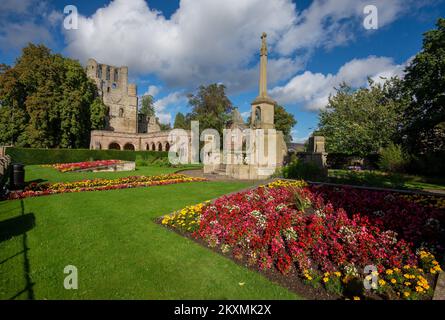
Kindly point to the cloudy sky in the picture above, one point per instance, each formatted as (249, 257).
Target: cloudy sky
(171, 47)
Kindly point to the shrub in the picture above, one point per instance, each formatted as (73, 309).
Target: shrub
(29, 156)
(430, 164)
(303, 170)
(393, 159)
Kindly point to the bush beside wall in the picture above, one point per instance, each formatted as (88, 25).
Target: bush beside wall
(29, 156)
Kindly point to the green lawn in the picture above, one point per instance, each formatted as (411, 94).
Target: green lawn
(385, 180)
(120, 253)
(38, 173)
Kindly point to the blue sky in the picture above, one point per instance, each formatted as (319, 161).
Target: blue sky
(172, 47)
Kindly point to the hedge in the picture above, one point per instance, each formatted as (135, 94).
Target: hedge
(28, 156)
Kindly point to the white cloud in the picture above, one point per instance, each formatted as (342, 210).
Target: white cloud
(153, 90)
(313, 89)
(18, 35)
(172, 100)
(203, 41)
(164, 117)
(218, 41)
(332, 23)
(26, 21)
(245, 115)
(14, 6)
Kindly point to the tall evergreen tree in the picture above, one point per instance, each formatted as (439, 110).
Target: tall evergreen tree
(180, 122)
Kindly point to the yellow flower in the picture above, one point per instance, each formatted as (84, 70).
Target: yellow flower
(389, 271)
(382, 282)
(356, 298)
(407, 284)
(393, 281)
(406, 294)
(337, 274)
(325, 279)
(419, 289)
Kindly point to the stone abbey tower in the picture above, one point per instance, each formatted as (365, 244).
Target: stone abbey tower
(117, 94)
(125, 129)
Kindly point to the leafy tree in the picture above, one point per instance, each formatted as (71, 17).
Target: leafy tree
(180, 122)
(284, 121)
(165, 126)
(50, 99)
(148, 108)
(424, 118)
(98, 115)
(211, 107)
(363, 121)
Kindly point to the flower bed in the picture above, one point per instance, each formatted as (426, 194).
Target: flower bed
(415, 218)
(297, 230)
(68, 167)
(42, 189)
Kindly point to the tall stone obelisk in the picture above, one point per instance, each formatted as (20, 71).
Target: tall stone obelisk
(263, 66)
(262, 114)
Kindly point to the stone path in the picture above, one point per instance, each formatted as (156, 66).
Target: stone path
(214, 177)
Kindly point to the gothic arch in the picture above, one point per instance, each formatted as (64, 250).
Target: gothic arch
(114, 146)
(167, 146)
(153, 147)
(159, 146)
(129, 146)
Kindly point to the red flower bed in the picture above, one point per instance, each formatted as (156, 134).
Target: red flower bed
(43, 189)
(265, 226)
(327, 236)
(413, 221)
(67, 167)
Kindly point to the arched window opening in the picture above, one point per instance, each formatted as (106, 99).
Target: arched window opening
(129, 146)
(114, 146)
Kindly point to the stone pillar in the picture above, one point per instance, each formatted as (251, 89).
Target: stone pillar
(263, 66)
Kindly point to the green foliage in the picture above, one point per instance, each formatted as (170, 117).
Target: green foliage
(363, 121)
(424, 118)
(393, 159)
(303, 170)
(50, 99)
(180, 122)
(165, 126)
(430, 164)
(149, 160)
(98, 115)
(211, 107)
(301, 203)
(30, 156)
(284, 121)
(148, 108)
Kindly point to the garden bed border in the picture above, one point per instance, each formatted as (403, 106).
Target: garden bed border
(438, 291)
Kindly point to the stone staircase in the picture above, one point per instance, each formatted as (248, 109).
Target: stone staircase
(221, 171)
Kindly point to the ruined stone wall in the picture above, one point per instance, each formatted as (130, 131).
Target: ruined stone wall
(155, 141)
(117, 94)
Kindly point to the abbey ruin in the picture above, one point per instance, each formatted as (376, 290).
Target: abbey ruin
(126, 129)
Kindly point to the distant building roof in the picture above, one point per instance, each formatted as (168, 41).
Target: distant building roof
(292, 146)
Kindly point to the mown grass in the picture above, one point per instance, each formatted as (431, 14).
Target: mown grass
(48, 174)
(385, 180)
(118, 249)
